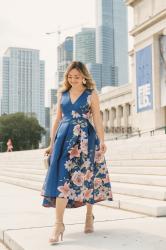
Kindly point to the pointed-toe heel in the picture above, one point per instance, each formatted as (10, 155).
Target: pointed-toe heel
(59, 229)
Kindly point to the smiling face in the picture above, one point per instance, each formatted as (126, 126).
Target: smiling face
(75, 78)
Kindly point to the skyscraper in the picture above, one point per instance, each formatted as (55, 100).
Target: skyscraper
(95, 71)
(64, 57)
(23, 83)
(52, 97)
(85, 45)
(85, 51)
(112, 41)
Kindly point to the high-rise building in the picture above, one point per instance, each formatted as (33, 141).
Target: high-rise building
(52, 97)
(95, 70)
(85, 51)
(112, 41)
(64, 56)
(23, 83)
(4, 85)
(85, 46)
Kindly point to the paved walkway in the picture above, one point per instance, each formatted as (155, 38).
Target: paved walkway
(26, 225)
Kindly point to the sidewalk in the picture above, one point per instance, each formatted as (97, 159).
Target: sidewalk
(25, 224)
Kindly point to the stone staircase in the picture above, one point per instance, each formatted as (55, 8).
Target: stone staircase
(138, 173)
(137, 169)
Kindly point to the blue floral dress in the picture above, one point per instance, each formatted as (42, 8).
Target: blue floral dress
(77, 170)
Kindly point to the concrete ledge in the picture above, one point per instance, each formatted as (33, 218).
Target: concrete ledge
(136, 163)
(25, 176)
(139, 170)
(139, 179)
(22, 183)
(140, 205)
(24, 170)
(151, 192)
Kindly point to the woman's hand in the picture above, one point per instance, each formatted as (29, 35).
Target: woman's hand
(103, 147)
(48, 150)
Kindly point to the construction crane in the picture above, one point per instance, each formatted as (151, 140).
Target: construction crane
(59, 31)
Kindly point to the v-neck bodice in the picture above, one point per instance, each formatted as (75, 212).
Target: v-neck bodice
(80, 108)
(76, 98)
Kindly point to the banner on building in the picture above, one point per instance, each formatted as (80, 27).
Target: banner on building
(144, 79)
(162, 44)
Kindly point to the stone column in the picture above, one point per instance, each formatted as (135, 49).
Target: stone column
(101, 115)
(125, 115)
(104, 118)
(111, 117)
(119, 115)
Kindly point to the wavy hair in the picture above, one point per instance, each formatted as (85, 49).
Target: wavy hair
(90, 84)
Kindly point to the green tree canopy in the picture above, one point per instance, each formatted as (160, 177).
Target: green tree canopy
(24, 131)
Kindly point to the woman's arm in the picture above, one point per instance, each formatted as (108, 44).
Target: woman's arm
(55, 124)
(98, 124)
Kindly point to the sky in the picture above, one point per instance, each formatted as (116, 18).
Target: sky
(23, 23)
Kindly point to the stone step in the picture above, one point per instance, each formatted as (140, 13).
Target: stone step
(138, 170)
(140, 205)
(38, 175)
(135, 156)
(24, 170)
(147, 148)
(22, 183)
(130, 203)
(137, 148)
(25, 176)
(138, 163)
(142, 191)
(139, 140)
(125, 202)
(22, 165)
(139, 179)
(113, 170)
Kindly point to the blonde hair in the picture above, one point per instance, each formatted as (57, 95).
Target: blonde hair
(90, 84)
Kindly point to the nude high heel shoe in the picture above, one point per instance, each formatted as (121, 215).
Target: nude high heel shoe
(59, 229)
(89, 228)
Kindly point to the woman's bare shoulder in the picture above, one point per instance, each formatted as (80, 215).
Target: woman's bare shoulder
(94, 94)
(60, 93)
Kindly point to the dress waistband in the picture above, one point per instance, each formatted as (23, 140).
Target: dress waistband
(67, 118)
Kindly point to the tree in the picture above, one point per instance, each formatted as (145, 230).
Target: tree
(24, 131)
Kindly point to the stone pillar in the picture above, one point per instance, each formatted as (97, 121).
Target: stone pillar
(111, 118)
(101, 115)
(125, 115)
(118, 117)
(104, 119)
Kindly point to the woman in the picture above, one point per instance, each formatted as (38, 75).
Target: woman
(77, 174)
(9, 145)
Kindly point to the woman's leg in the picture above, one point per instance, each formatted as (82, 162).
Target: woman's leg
(89, 209)
(59, 225)
(60, 208)
(89, 219)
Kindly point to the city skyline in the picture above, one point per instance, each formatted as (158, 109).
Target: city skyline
(18, 30)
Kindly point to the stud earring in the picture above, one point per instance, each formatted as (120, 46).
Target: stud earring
(84, 81)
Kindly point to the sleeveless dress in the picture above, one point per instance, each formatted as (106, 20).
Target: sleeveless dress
(77, 170)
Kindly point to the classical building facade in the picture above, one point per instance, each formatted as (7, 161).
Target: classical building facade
(116, 107)
(148, 59)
